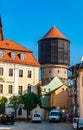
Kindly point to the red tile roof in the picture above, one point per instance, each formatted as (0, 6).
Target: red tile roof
(9, 46)
(54, 33)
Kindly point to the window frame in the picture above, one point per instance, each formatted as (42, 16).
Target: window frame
(29, 74)
(20, 89)
(13, 55)
(1, 88)
(29, 88)
(10, 89)
(10, 72)
(20, 73)
(22, 56)
(1, 71)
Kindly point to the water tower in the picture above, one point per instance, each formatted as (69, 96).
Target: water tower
(54, 56)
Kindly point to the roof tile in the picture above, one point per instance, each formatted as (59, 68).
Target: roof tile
(9, 46)
(54, 33)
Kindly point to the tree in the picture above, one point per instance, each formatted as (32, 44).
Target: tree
(3, 101)
(30, 101)
(39, 90)
(14, 103)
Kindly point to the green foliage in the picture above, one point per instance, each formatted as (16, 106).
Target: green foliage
(39, 90)
(14, 102)
(3, 100)
(30, 101)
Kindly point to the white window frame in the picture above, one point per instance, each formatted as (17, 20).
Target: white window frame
(13, 55)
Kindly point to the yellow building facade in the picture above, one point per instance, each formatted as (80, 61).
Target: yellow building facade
(57, 93)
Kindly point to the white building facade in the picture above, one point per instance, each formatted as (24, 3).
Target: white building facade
(19, 70)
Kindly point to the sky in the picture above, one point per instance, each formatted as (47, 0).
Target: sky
(27, 21)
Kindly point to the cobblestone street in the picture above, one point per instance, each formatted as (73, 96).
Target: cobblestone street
(37, 126)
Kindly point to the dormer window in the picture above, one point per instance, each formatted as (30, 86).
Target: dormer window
(1, 53)
(13, 55)
(22, 56)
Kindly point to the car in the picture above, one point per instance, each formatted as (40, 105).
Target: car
(55, 115)
(36, 117)
(77, 123)
(7, 119)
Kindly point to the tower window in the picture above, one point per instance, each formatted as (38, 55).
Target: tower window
(64, 72)
(58, 71)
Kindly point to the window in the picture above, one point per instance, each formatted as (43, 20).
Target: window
(29, 73)
(20, 111)
(64, 72)
(20, 73)
(22, 56)
(58, 71)
(13, 55)
(10, 72)
(1, 53)
(10, 89)
(62, 89)
(20, 89)
(1, 70)
(29, 88)
(1, 88)
(49, 89)
(44, 89)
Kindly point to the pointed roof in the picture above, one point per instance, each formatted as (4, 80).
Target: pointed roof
(1, 31)
(54, 33)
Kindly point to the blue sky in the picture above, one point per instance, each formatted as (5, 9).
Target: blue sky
(27, 21)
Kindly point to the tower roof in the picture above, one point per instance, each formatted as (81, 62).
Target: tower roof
(54, 33)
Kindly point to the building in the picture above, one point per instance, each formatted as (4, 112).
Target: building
(55, 94)
(54, 56)
(19, 70)
(76, 86)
